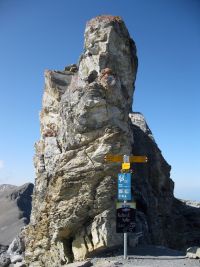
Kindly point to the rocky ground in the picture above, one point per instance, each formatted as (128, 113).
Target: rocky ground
(170, 262)
(143, 256)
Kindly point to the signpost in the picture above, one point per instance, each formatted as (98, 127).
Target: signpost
(126, 165)
(125, 217)
(119, 158)
(124, 186)
(126, 211)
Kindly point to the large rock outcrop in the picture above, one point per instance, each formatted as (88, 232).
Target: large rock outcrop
(169, 221)
(152, 186)
(185, 224)
(86, 113)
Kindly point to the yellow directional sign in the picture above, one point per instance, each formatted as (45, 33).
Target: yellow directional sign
(119, 158)
(113, 158)
(138, 159)
(126, 166)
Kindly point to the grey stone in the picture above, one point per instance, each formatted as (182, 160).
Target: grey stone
(16, 258)
(138, 120)
(4, 260)
(3, 248)
(15, 252)
(18, 264)
(17, 246)
(193, 252)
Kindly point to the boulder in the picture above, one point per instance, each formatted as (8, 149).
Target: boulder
(193, 252)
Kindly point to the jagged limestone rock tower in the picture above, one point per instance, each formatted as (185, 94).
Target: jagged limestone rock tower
(85, 115)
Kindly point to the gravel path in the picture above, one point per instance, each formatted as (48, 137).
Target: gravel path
(144, 256)
(147, 256)
(156, 262)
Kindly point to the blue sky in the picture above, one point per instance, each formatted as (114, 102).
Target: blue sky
(48, 34)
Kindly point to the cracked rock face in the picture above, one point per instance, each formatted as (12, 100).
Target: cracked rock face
(85, 115)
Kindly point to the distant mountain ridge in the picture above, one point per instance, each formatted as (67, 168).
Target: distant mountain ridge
(15, 209)
(4, 187)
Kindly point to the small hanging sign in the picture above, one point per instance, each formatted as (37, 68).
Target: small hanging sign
(126, 217)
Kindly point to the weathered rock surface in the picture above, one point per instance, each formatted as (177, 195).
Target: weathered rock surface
(14, 255)
(193, 253)
(185, 223)
(170, 222)
(152, 186)
(85, 115)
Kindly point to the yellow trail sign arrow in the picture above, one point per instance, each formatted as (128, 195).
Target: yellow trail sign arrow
(113, 158)
(138, 159)
(119, 158)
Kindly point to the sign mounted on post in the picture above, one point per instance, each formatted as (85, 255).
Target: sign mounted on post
(124, 186)
(125, 211)
(119, 158)
(126, 214)
(126, 166)
(124, 194)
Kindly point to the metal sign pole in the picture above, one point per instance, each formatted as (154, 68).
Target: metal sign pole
(125, 246)
(124, 193)
(125, 242)
(125, 160)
